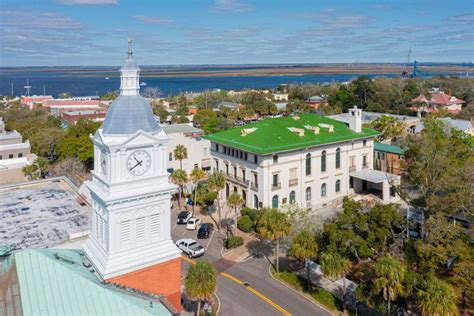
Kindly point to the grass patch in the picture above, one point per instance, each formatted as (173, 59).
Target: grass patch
(299, 283)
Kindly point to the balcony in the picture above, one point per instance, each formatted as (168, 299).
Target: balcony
(254, 186)
(293, 182)
(236, 179)
(276, 186)
(352, 168)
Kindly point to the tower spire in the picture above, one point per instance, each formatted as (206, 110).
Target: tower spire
(130, 51)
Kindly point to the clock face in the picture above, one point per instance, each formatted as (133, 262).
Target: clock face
(103, 164)
(138, 162)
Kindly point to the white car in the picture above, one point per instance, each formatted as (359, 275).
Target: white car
(193, 223)
(190, 247)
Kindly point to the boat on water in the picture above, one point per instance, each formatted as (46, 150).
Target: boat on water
(142, 84)
(107, 78)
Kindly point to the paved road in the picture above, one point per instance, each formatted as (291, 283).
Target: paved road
(246, 288)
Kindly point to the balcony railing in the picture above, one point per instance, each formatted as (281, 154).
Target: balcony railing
(235, 178)
(293, 182)
(352, 168)
(276, 186)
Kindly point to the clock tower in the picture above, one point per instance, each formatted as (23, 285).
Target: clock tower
(130, 242)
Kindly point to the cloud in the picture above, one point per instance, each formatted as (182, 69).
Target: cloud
(331, 18)
(464, 19)
(153, 20)
(87, 2)
(38, 20)
(230, 6)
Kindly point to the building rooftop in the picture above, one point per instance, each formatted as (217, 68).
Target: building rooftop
(370, 116)
(287, 133)
(61, 282)
(180, 128)
(388, 148)
(41, 214)
(374, 176)
(10, 135)
(462, 125)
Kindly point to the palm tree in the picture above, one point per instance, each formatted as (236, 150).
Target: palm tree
(335, 266)
(389, 275)
(180, 153)
(235, 200)
(303, 248)
(274, 225)
(201, 282)
(30, 171)
(43, 165)
(437, 297)
(196, 175)
(217, 183)
(179, 177)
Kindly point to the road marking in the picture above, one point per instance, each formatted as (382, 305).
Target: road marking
(249, 288)
(210, 238)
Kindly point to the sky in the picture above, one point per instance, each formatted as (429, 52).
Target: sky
(171, 32)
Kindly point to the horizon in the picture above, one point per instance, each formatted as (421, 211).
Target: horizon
(57, 33)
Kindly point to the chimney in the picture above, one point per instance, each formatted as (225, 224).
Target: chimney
(355, 119)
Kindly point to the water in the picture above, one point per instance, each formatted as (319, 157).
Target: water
(81, 83)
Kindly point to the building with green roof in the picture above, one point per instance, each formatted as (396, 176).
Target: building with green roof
(61, 282)
(388, 158)
(308, 159)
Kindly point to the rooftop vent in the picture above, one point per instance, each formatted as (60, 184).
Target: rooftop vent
(315, 129)
(329, 127)
(298, 131)
(247, 131)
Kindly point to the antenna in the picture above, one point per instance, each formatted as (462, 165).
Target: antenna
(27, 87)
(130, 51)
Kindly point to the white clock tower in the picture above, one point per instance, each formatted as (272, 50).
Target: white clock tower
(130, 242)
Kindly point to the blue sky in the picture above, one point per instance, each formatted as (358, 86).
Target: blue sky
(93, 32)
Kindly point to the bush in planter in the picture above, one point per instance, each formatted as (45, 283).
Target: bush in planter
(234, 242)
(245, 224)
(254, 214)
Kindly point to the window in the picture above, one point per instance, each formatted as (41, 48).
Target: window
(227, 190)
(170, 156)
(351, 182)
(381, 155)
(1, 157)
(323, 190)
(393, 192)
(10, 156)
(275, 158)
(338, 158)
(20, 155)
(255, 158)
(155, 226)
(124, 233)
(308, 194)
(217, 165)
(255, 201)
(292, 197)
(217, 147)
(235, 172)
(140, 229)
(243, 174)
(255, 179)
(364, 161)
(364, 142)
(275, 180)
(323, 161)
(338, 186)
(275, 201)
(308, 164)
(227, 169)
(245, 156)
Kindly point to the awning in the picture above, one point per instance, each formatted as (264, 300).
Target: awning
(374, 176)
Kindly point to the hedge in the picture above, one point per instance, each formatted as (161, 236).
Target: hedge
(245, 224)
(234, 242)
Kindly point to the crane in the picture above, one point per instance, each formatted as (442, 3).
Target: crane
(405, 66)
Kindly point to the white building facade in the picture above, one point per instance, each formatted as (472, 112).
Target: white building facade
(311, 176)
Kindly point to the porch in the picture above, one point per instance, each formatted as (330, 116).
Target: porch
(377, 183)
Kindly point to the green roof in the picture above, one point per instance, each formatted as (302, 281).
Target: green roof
(273, 134)
(388, 148)
(51, 286)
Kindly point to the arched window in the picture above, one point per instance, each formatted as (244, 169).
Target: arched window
(308, 194)
(292, 197)
(323, 161)
(338, 158)
(323, 189)
(275, 201)
(308, 164)
(255, 201)
(227, 190)
(338, 186)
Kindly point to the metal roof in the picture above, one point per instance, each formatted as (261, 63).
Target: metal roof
(388, 148)
(56, 282)
(374, 176)
(129, 114)
(180, 128)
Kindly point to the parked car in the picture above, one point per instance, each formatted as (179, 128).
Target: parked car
(193, 223)
(184, 216)
(190, 247)
(205, 230)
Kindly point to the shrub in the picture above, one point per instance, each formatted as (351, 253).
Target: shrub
(245, 211)
(254, 214)
(234, 242)
(245, 224)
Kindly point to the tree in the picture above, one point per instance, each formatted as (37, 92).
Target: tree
(43, 165)
(201, 282)
(437, 297)
(216, 183)
(65, 95)
(31, 171)
(235, 201)
(71, 168)
(334, 266)
(274, 225)
(151, 92)
(203, 116)
(180, 153)
(389, 275)
(303, 248)
(109, 96)
(389, 127)
(196, 175)
(179, 177)
(160, 111)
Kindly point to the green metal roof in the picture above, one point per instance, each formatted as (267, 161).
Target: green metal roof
(51, 286)
(273, 134)
(388, 148)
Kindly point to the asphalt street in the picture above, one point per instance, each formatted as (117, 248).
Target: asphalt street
(245, 288)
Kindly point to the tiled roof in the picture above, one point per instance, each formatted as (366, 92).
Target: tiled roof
(439, 98)
(282, 134)
(55, 282)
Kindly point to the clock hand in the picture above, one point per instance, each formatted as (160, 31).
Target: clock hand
(139, 163)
